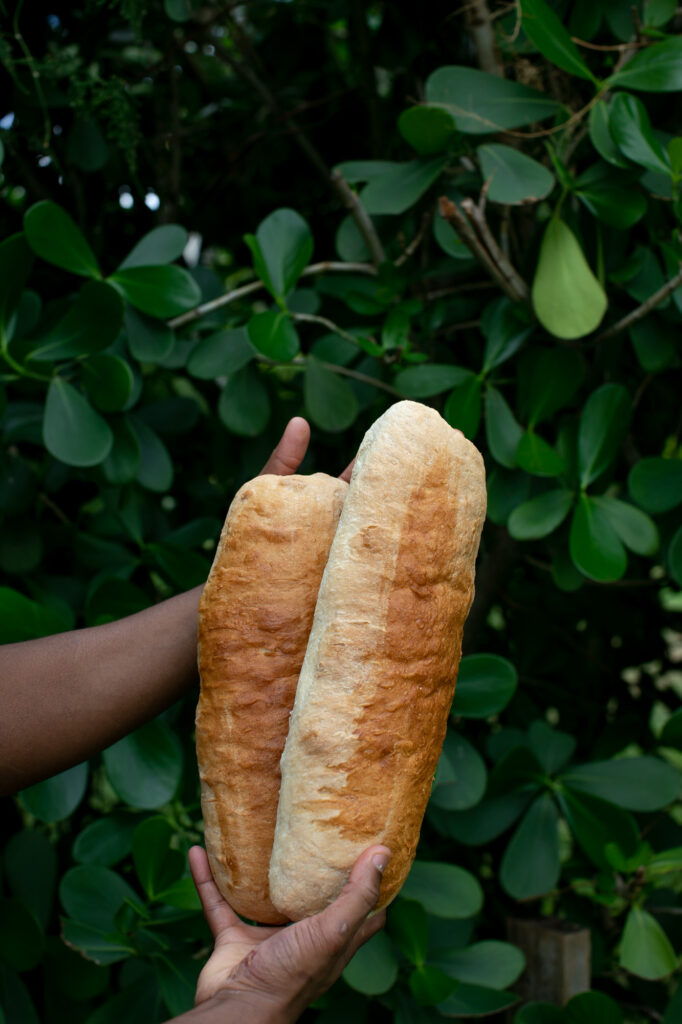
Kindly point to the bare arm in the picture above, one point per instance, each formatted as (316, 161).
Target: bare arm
(65, 697)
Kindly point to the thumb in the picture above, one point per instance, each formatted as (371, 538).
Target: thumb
(360, 895)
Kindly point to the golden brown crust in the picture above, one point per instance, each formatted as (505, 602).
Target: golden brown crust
(254, 619)
(379, 674)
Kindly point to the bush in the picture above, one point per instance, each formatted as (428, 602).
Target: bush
(509, 254)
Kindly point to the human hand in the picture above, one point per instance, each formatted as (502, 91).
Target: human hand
(290, 451)
(276, 972)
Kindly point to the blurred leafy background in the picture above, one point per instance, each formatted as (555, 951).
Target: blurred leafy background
(219, 215)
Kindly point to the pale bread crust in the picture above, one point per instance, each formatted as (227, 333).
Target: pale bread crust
(379, 674)
(255, 615)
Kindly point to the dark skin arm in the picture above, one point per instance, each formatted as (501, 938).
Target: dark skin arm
(66, 697)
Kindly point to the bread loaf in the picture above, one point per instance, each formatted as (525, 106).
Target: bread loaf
(254, 619)
(379, 673)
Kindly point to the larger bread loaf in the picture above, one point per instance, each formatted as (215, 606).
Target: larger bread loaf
(377, 682)
(255, 615)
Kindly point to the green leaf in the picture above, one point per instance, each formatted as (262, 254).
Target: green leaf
(160, 245)
(485, 685)
(511, 176)
(658, 68)
(177, 975)
(221, 354)
(123, 461)
(93, 895)
(538, 457)
(540, 1013)
(52, 235)
(182, 895)
(504, 331)
(22, 619)
(603, 425)
(145, 767)
(654, 342)
(656, 484)
(672, 1012)
(548, 379)
(552, 748)
(149, 340)
(545, 31)
(595, 823)
(426, 380)
(600, 135)
(330, 401)
(502, 431)
(98, 946)
(15, 999)
(158, 291)
(476, 1001)
(492, 964)
(593, 1008)
(461, 776)
(178, 10)
(429, 130)
(87, 147)
(540, 516)
(675, 557)
(635, 783)
(273, 333)
(31, 872)
(91, 324)
(671, 735)
(488, 820)
(244, 404)
(596, 548)
(408, 927)
(355, 171)
(185, 568)
(443, 889)
(481, 103)
(448, 239)
(567, 298)
(634, 527)
(530, 865)
(21, 938)
(400, 187)
(658, 12)
(281, 249)
(57, 797)
(632, 132)
(645, 949)
(463, 407)
(108, 381)
(429, 985)
(106, 840)
(155, 470)
(16, 262)
(374, 967)
(615, 205)
(156, 864)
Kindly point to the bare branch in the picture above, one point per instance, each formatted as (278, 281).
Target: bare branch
(476, 235)
(300, 363)
(415, 243)
(641, 311)
(477, 216)
(351, 201)
(483, 35)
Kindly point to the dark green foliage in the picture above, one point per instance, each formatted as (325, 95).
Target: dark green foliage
(139, 387)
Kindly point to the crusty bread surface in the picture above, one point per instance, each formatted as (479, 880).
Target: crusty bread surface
(379, 673)
(255, 616)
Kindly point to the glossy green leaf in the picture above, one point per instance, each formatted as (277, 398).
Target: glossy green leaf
(155, 469)
(402, 186)
(181, 894)
(91, 324)
(448, 239)
(145, 767)
(374, 968)
(105, 841)
(95, 944)
(185, 568)
(567, 298)
(408, 927)
(461, 776)
(92, 895)
(54, 237)
(596, 548)
(655, 344)
(538, 457)
(503, 433)
(504, 328)
(491, 963)
(511, 176)
(156, 864)
(671, 734)
(87, 147)
(545, 30)
(159, 291)
(540, 1013)
(177, 976)
(221, 354)
(429, 985)
(632, 132)
(548, 379)
(15, 1000)
(23, 619)
(552, 748)
(429, 379)
(593, 1008)
(463, 407)
(274, 334)
(355, 171)
(635, 783)
(615, 205)
(160, 245)
(645, 949)
(600, 135)
(656, 484)
(530, 865)
(70, 974)
(634, 527)
(485, 685)
(443, 889)
(540, 516)
(123, 461)
(657, 68)
(675, 557)
(595, 823)
(476, 1001)
(485, 822)
(57, 797)
(329, 399)
(149, 340)
(603, 424)
(21, 938)
(244, 404)
(281, 249)
(429, 130)
(108, 381)
(30, 862)
(16, 262)
(481, 103)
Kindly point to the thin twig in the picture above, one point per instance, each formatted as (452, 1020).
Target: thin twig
(483, 246)
(312, 318)
(641, 311)
(483, 35)
(467, 286)
(254, 286)
(415, 243)
(300, 362)
(477, 216)
(351, 201)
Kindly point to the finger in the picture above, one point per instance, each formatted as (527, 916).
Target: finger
(359, 897)
(346, 475)
(289, 453)
(219, 915)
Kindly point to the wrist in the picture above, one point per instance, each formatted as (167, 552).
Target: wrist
(255, 1007)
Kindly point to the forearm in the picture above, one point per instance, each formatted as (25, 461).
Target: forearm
(68, 696)
(228, 1007)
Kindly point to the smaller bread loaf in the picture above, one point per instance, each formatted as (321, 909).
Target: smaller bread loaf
(255, 615)
(379, 674)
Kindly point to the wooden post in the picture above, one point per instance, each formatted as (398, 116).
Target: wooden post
(557, 959)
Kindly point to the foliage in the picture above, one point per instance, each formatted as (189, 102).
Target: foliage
(141, 385)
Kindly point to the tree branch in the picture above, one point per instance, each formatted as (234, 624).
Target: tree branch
(476, 235)
(351, 201)
(476, 215)
(483, 35)
(641, 311)
(300, 363)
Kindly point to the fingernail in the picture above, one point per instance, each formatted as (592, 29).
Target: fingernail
(380, 860)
